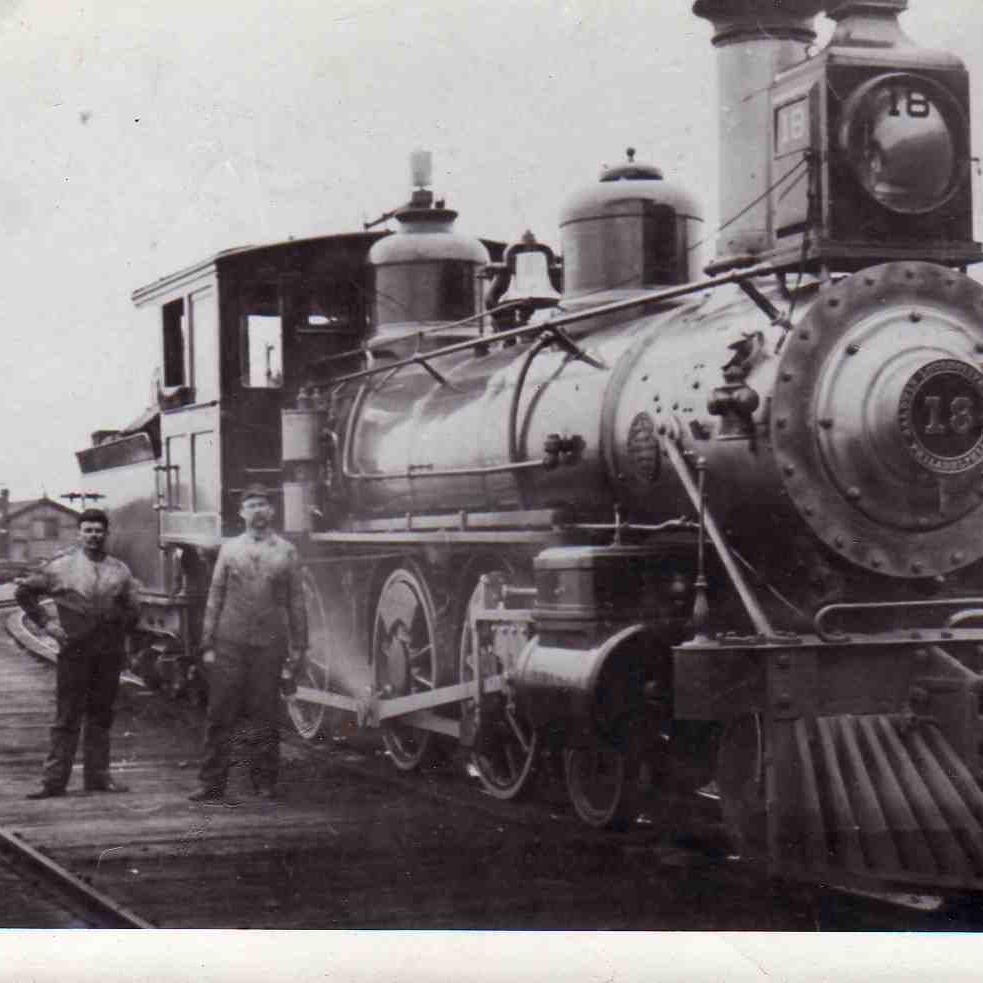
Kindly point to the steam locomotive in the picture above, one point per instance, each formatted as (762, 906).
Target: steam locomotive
(615, 509)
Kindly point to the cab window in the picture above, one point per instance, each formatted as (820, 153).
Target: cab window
(261, 338)
(177, 345)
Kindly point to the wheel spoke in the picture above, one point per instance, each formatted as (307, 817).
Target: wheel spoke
(414, 655)
(524, 742)
(421, 680)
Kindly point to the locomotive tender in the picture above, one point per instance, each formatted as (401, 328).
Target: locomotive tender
(609, 509)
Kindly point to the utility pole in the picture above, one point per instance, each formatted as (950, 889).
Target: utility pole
(4, 528)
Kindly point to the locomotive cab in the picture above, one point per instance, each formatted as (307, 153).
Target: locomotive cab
(238, 334)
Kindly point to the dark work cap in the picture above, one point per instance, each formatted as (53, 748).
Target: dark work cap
(254, 490)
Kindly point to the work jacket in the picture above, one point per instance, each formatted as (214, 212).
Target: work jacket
(93, 597)
(256, 596)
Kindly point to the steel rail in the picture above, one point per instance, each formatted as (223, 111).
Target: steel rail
(108, 912)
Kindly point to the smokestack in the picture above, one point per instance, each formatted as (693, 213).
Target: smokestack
(754, 39)
(867, 23)
(838, 9)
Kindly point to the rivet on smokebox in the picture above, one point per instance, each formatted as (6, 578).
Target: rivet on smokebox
(783, 701)
(914, 316)
(787, 377)
(784, 660)
(916, 566)
(853, 493)
(921, 657)
(838, 542)
(852, 348)
(958, 556)
(789, 469)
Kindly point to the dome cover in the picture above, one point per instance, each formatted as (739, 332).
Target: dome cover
(630, 230)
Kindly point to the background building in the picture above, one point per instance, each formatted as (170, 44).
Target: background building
(34, 529)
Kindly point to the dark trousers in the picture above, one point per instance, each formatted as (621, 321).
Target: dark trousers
(87, 680)
(243, 714)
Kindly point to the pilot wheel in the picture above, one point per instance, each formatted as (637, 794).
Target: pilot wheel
(601, 783)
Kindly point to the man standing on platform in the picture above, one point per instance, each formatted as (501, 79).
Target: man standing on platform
(96, 599)
(255, 627)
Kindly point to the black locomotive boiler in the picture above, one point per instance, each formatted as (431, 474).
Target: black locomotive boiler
(614, 508)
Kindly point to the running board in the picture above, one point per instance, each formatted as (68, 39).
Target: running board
(874, 798)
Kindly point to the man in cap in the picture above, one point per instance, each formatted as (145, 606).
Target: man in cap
(254, 618)
(95, 596)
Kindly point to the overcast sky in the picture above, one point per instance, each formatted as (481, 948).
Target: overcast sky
(141, 136)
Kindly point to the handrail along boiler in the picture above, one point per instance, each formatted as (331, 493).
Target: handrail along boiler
(615, 512)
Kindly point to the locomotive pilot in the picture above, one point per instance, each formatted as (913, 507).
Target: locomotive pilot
(255, 618)
(96, 599)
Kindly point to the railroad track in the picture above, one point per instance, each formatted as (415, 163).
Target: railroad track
(30, 876)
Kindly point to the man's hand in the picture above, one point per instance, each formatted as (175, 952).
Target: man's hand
(55, 631)
(208, 657)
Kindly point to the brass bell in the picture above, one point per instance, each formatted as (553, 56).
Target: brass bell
(529, 264)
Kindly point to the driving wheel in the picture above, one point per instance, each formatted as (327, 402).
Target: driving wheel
(405, 659)
(308, 719)
(506, 744)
